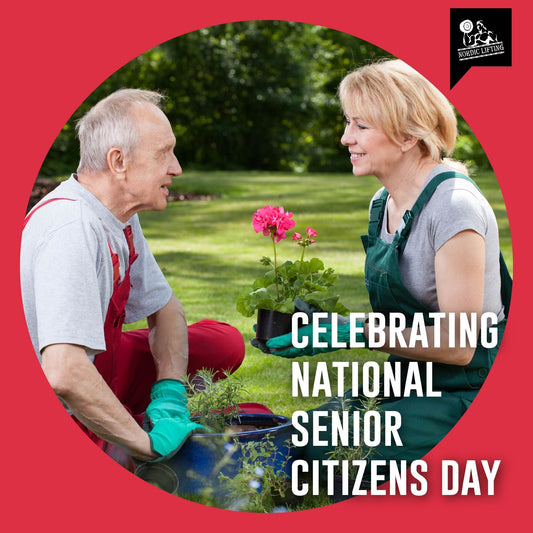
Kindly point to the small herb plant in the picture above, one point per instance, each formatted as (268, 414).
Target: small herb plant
(354, 453)
(214, 403)
(308, 280)
(259, 486)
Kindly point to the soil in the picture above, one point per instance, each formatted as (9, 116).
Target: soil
(242, 428)
(43, 186)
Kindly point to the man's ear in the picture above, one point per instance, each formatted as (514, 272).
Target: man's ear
(116, 161)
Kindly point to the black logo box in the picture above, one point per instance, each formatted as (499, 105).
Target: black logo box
(462, 58)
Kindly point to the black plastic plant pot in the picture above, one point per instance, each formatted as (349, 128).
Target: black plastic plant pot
(204, 456)
(272, 324)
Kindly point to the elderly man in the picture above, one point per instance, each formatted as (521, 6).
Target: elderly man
(86, 269)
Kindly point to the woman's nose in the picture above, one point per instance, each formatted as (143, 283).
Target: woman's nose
(347, 138)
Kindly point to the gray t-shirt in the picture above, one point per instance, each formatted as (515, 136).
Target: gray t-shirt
(67, 273)
(456, 205)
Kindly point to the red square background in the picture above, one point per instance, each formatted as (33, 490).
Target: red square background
(54, 55)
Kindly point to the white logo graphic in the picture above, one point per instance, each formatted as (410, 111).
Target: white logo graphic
(479, 43)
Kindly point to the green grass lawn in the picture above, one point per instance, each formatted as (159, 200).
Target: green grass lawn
(210, 253)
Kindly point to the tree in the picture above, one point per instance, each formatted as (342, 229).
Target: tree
(246, 95)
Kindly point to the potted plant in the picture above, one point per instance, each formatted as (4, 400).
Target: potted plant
(273, 295)
(238, 453)
(349, 454)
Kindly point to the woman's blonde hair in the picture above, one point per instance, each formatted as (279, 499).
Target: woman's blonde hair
(394, 97)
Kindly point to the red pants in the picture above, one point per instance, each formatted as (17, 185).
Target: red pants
(214, 345)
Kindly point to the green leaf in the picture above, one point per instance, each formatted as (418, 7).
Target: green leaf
(327, 300)
(265, 281)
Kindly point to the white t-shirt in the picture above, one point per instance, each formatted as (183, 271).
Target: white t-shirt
(67, 273)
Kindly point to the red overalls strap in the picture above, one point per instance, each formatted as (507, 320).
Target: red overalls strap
(116, 313)
(35, 209)
(107, 363)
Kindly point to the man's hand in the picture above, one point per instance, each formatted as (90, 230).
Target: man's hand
(168, 435)
(167, 419)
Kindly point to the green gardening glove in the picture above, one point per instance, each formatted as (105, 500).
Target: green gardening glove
(300, 306)
(168, 399)
(283, 347)
(167, 419)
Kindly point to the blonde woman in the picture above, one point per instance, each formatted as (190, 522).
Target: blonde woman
(432, 246)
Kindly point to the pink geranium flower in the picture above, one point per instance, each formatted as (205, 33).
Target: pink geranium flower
(283, 283)
(272, 221)
(307, 241)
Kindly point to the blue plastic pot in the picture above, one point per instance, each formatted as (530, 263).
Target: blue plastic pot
(195, 468)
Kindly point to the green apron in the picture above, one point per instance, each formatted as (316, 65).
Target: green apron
(425, 420)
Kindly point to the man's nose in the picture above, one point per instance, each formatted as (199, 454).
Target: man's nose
(175, 167)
